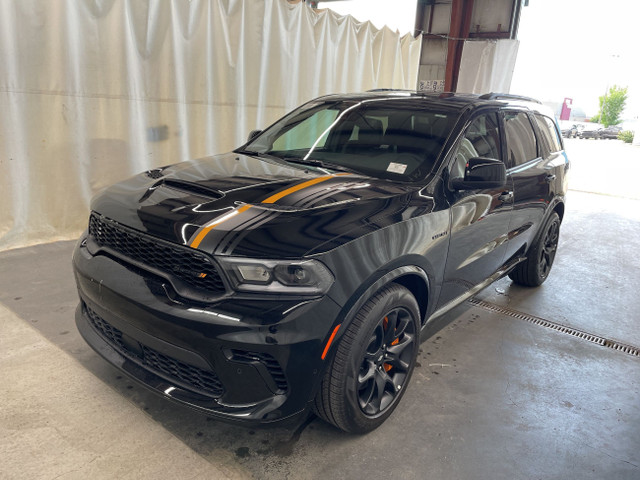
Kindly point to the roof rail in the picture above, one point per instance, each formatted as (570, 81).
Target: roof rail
(390, 90)
(507, 96)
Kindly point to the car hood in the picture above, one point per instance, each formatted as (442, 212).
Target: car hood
(240, 205)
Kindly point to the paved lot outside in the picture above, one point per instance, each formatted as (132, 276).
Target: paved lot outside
(609, 167)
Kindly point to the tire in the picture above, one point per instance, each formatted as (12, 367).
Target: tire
(373, 362)
(535, 269)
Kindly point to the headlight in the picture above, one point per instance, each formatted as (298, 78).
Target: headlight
(300, 277)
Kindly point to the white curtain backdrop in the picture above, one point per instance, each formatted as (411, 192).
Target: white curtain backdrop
(487, 66)
(93, 91)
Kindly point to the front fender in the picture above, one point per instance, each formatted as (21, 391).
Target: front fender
(408, 274)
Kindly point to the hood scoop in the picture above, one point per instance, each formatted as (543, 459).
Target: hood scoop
(184, 186)
(193, 188)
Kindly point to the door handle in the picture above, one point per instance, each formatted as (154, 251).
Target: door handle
(550, 178)
(505, 197)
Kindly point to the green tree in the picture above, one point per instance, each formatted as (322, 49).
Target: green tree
(611, 106)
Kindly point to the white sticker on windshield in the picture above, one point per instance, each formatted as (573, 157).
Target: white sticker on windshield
(396, 168)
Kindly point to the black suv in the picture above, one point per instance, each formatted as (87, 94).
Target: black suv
(301, 270)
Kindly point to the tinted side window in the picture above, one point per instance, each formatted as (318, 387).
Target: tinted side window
(549, 132)
(481, 139)
(521, 141)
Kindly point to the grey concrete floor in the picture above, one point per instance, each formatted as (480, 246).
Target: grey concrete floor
(493, 397)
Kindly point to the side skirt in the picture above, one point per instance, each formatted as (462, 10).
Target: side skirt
(437, 321)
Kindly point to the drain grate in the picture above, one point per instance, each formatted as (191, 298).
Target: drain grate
(605, 342)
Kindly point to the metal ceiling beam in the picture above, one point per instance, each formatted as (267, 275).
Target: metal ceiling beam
(459, 30)
(515, 17)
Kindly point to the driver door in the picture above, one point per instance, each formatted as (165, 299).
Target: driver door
(479, 218)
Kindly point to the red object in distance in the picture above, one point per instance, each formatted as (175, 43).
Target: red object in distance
(565, 113)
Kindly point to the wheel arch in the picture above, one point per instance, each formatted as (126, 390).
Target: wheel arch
(411, 276)
(557, 206)
(559, 209)
(418, 286)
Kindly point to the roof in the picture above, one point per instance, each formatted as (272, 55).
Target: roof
(452, 100)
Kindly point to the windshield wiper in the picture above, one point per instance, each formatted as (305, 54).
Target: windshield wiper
(310, 162)
(258, 154)
(320, 164)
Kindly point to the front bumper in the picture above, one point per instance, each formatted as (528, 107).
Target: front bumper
(238, 358)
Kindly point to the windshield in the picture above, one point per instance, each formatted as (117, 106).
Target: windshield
(393, 139)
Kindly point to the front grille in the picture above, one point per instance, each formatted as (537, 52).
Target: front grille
(175, 371)
(272, 365)
(190, 266)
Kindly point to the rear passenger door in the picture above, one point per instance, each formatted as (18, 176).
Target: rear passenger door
(530, 165)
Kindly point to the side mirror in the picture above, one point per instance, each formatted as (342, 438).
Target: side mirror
(253, 134)
(480, 173)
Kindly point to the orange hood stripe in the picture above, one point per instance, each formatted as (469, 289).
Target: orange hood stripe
(272, 199)
(207, 229)
(295, 188)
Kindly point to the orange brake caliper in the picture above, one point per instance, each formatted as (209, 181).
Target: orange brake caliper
(388, 366)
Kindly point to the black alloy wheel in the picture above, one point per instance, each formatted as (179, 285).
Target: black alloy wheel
(549, 248)
(386, 362)
(373, 362)
(535, 269)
